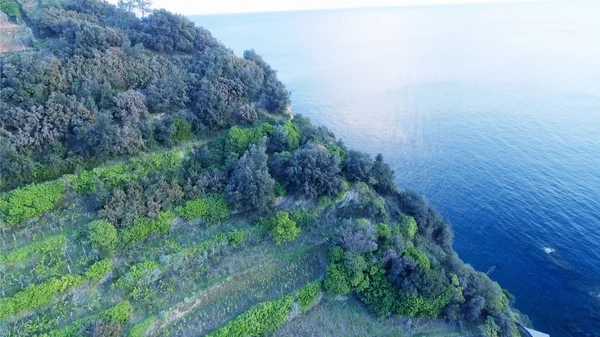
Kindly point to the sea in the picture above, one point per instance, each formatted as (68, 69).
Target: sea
(492, 111)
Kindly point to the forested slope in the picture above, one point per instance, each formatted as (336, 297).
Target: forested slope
(157, 184)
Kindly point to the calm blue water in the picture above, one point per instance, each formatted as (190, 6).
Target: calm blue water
(491, 111)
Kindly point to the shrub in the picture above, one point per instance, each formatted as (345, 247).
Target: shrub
(383, 231)
(408, 227)
(183, 129)
(42, 247)
(139, 329)
(380, 296)
(37, 295)
(238, 140)
(30, 201)
(212, 208)
(98, 270)
(103, 235)
(336, 281)
(137, 274)
(258, 320)
(234, 238)
(84, 182)
(308, 294)
(10, 8)
(119, 313)
(419, 256)
(144, 226)
(281, 227)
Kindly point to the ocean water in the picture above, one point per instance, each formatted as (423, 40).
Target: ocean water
(491, 111)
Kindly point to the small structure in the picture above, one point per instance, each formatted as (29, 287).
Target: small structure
(528, 332)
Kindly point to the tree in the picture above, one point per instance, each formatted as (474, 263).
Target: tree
(358, 236)
(250, 187)
(358, 166)
(281, 227)
(103, 235)
(313, 171)
(383, 176)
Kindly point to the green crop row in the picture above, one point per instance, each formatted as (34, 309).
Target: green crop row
(233, 238)
(268, 316)
(132, 170)
(30, 201)
(38, 295)
(41, 247)
(119, 313)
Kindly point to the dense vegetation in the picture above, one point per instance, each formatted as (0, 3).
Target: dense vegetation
(155, 185)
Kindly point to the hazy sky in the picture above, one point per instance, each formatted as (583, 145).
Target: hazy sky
(191, 7)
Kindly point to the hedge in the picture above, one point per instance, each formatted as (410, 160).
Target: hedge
(98, 270)
(119, 313)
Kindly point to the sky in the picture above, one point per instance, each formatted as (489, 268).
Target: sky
(191, 7)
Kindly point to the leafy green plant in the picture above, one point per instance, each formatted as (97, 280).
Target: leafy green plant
(98, 270)
(281, 227)
(30, 201)
(258, 320)
(308, 294)
(139, 329)
(294, 133)
(408, 227)
(103, 235)
(119, 313)
(42, 247)
(10, 8)
(144, 226)
(183, 129)
(419, 256)
(234, 238)
(37, 295)
(237, 140)
(212, 208)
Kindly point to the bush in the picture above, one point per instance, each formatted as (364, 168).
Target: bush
(234, 238)
(144, 226)
(120, 313)
(84, 182)
(335, 279)
(408, 227)
(212, 208)
(10, 8)
(98, 270)
(139, 329)
(30, 201)
(281, 227)
(103, 235)
(36, 296)
(308, 294)
(419, 256)
(238, 140)
(183, 129)
(42, 247)
(258, 320)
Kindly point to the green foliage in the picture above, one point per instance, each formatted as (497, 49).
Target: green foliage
(183, 129)
(419, 256)
(10, 8)
(383, 231)
(308, 294)
(408, 227)
(234, 238)
(258, 320)
(103, 235)
(139, 329)
(98, 270)
(134, 169)
(42, 247)
(212, 208)
(489, 328)
(119, 313)
(281, 227)
(137, 277)
(84, 182)
(37, 295)
(238, 140)
(380, 296)
(30, 201)
(304, 218)
(144, 226)
(336, 281)
(279, 190)
(294, 134)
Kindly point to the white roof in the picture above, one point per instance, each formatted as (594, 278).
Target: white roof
(537, 333)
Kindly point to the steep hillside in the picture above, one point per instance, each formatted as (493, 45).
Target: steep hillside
(156, 184)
